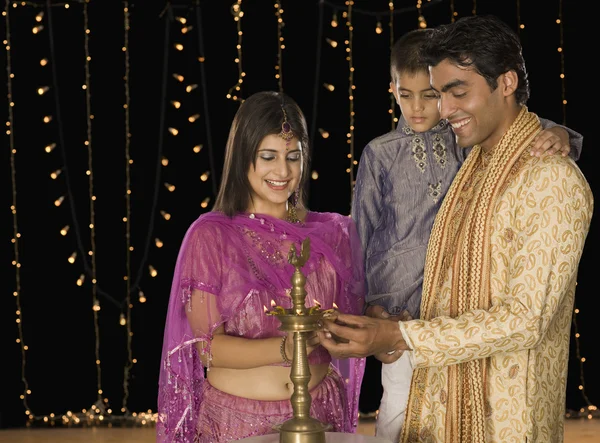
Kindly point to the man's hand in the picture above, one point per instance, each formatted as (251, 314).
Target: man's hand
(365, 336)
(393, 355)
(551, 141)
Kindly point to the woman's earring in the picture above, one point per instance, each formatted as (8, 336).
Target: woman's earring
(292, 216)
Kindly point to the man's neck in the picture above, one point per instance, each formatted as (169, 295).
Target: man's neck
(503, 128)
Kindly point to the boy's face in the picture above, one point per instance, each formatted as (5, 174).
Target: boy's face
(418, 102)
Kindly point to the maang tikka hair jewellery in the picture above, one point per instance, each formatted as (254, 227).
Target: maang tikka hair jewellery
(287, 134)
(286, 130)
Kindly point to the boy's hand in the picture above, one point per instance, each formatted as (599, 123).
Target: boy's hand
(551, 141)
(377, 311)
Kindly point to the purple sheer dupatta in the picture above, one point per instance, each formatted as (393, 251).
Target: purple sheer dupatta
(227, 271)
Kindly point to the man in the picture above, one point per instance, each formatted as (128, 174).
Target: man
(402, 179)
(491, 348)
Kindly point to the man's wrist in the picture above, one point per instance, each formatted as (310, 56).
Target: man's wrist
(409, 345)
(398, 338)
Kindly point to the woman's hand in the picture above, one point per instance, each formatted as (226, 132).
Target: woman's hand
(312, 342)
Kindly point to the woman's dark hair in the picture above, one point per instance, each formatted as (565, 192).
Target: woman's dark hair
(483, 43)
(258, 116)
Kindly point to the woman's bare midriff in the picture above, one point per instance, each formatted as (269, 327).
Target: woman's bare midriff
(264, 383)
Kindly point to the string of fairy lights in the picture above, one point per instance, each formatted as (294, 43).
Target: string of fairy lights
(99, 413)
(13, 207)
(125, 318)
(179, 104)
(235, 91)
(422, 22)
(193, 118)
(351, 87)
(280, 45)
(561, 52)
(90, 174)
(98, 409)
(392, 109)
(591, 410)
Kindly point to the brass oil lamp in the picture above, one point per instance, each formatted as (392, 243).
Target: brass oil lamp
(301, 428)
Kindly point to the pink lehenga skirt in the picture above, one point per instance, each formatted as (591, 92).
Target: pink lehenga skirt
(224, 417)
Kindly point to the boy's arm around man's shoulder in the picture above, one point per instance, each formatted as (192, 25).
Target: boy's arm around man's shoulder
(575, 138)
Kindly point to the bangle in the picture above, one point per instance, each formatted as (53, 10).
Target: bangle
(284, 356)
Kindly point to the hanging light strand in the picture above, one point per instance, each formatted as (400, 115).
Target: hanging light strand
(128, 247)
(453, 12)
(13, 208)
(92, 252)
(351, 89)
(422, 23)
(561, 51)
(363, 12)
(235, 91)
(97, 414)
(205, 102)
(280, 44)
(392, 98)
(65, 5)
(591, 408)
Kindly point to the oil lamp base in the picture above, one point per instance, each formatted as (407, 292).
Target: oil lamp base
(302, 430)
(330, 437)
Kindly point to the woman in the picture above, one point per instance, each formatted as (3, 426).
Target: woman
(225, 369)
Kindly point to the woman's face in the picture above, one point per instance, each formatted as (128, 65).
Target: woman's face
(275, 176)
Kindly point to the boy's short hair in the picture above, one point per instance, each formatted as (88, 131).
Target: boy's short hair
(406, 54)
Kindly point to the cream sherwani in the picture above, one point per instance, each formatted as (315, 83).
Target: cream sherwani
(491, 352)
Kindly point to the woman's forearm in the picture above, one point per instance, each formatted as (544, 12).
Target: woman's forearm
(243, 353)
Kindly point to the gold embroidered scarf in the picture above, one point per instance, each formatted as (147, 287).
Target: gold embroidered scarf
(460, 239)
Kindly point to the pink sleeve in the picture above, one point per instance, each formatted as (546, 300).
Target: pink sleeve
(191, 318)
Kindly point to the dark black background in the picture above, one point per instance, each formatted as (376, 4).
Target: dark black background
(57, 318)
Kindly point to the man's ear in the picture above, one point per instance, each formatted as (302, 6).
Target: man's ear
(509, 83)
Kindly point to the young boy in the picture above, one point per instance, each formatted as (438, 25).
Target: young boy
(401, 180)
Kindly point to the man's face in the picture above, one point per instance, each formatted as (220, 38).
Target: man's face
(417, 101)
(477, 114)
